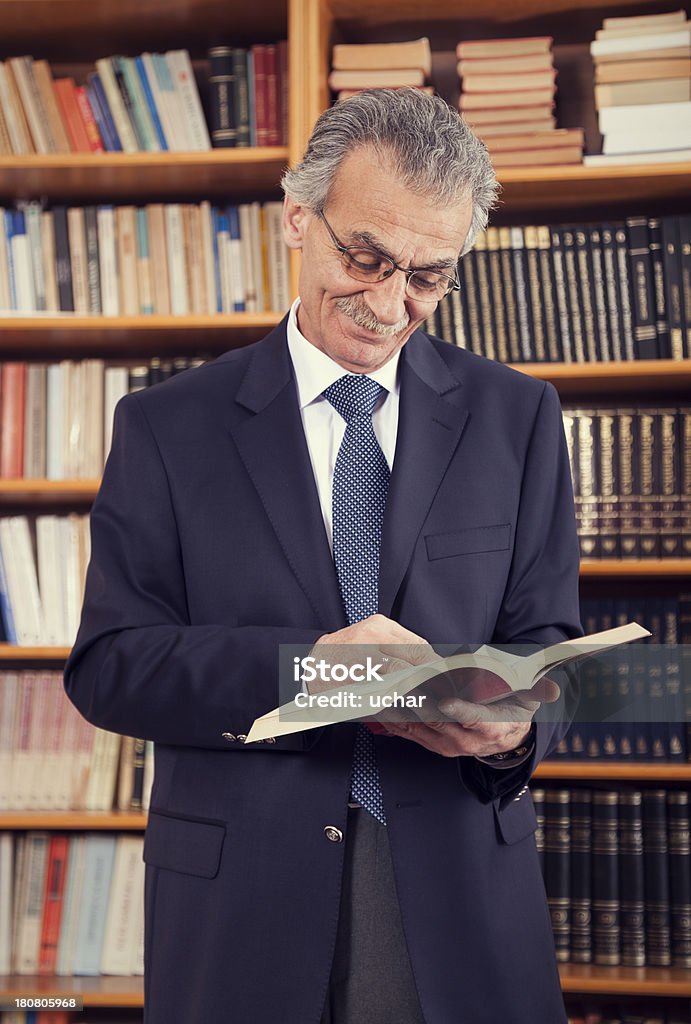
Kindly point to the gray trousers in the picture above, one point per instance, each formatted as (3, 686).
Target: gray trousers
(371, 978)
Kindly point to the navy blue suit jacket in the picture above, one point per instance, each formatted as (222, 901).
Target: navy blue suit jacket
(209, 550)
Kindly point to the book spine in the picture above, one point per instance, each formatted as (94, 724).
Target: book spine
(607, 513)
(672, 285)
(586, 505)
(605, 881)
(485, 299)
(669, 484)
(557, 868)
(534, 294)
(655, 853)
(547, 285)
(562, 301)
(120, 115)
(657, 259)
(522, 294)
(640, 262)
(612, 327)
(241, 100)
(628, 484)
(538, 795)
(599, 293)
(631, 879)
(63, 267)
(148, 95)
(222, 123)
(581, 908)
(87, 115)
(649, 473)
(128, 101)
(508, 291)
(586, 296)
(498, 297)
(576, 320)
(685, 250)
(679, 877)
(625, 291)
(685, 482)
(469, 289)
(114, 143)
(672, 664)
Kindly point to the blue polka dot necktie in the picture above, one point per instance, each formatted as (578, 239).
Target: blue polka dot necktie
(360, 486)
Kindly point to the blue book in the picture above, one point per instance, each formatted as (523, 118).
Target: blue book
(150, 102)
(216, 221)
(95, 81)
(100, 120)
(9, 233)
(5, 607)
(250, 98)
(166, 85)
(91, 925)
(143, 254)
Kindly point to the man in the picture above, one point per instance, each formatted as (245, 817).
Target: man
(338, 876)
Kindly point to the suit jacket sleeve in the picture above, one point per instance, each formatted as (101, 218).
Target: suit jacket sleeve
(540, 605)
(138, 666)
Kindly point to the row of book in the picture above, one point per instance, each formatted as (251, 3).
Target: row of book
(172, 258)
(508, 92)
(574, 293)
(56, 419)
(631, 471)
(617, 870)
(149, 103)
(643, 1011)
(635, 703)
(52, 759)
(41, 594)
(71, 904)
(643, 88)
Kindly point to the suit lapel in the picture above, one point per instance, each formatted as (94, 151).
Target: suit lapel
(431, 421)
(272, 446)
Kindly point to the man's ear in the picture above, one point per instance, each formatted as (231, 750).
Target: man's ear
(295, 221)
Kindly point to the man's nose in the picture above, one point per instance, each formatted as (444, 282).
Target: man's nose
(387, 299)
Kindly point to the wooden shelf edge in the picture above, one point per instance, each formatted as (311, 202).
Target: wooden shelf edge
(629, 370)
(581, 173)
(649, 981)
(79, 322)
(12, 652)
(613, 770)
(101, 991)
(62, 161)
(73, 820)
(661, 567)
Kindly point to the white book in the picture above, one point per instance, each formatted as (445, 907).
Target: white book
(195, 266)
(70, 527)
(22, 582)
(18, 795)
(94, 387)
(30, 901)
(76, 231)
(629, 31)
(159, 98)
(126, 893)
(645, 118)
(28, 93)
(116, 387)
(35, 413)
(73, 431)
(49, 261)
(222, 243)
(53, 754)
(648, 21)
(23, 274)
(6, 897)
(72, 901)
(208, 257)
(65, 776)
(98, 873)
(175, 245)
(237, 273)
(622, 142)
(81, 762)
(260, 283)
(108, 261)
(32, 223)
(185, 83)
(9, 697)
(641, 43)
(103, 771)
(55, 416)
(177, 139)
(126, 236)
(123, 125)
(138, 950)
(50, 578)
(248, 262)
(657, 156)
(21, 143)
(278, 257)
(37, 726)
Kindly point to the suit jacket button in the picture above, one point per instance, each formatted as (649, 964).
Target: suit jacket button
(229, 736)
(333, 834)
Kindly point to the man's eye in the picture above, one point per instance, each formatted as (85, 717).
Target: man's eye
(427, 282)
(364, 259)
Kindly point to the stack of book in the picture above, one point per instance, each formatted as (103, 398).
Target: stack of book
(172, 258)
(248, 94)
(379, 66)
(643, 89)
(148, 103)
(508, 88)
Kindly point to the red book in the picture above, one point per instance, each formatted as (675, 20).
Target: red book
(53, 1017)
(68, 104)
(52, 904)
(92, 133)
(261, 98)
(282, 52)
(12, 383)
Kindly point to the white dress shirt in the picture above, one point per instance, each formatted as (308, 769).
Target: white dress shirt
(324, 427)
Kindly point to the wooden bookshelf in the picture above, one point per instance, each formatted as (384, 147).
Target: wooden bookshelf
(651, 568)
(105, 990)
(94, 821)
(656, 376)
(613, 771)
(47, 492)
(221, 174)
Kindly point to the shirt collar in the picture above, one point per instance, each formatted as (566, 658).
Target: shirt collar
(315, 371)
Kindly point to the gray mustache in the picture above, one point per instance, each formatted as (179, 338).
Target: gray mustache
(357, 310)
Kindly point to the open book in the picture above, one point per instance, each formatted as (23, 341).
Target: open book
(510, 673)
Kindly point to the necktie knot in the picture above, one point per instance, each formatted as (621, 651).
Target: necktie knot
(353, 395)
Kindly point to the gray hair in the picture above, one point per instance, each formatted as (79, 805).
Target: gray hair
(428, 144)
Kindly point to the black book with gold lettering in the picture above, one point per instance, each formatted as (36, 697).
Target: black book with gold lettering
(586, 502)
(571, 272)
(534, 296)
(474, 338)
(657, 260)
(599, 293)
(509, 291)
(581, 910)
(585, 287)
(669, 482)
(671, 256)
(610, 271)
(522, 293)
(625, 291)
(608, 484)
(561, 296)
(557, 862)
(649, 464)
(631, 879)
(642, 287)
(685, 252)
(685, 481)
(679, 876)
(628, 476)
(605, 887)
(547, 284)
(498, 295)
(484, 294)
(655, 853)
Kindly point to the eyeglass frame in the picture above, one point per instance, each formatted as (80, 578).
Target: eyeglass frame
(454, 283)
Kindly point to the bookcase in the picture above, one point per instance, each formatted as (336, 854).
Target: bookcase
(72, 33)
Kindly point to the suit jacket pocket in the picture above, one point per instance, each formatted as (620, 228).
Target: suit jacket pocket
(472, 540)
(517, 820)
(192, 847)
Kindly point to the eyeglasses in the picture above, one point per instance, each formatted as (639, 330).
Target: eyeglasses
(371, 266)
